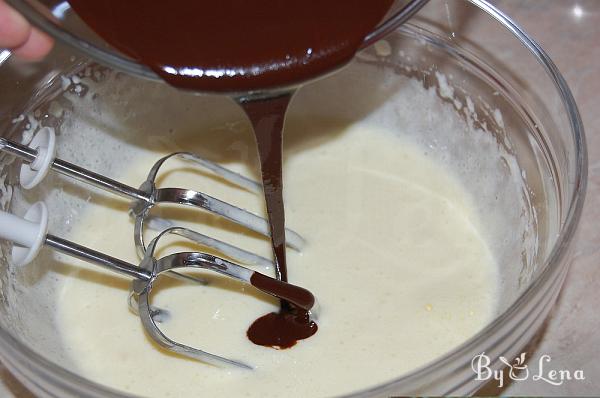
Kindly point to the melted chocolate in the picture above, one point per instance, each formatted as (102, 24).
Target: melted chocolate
(292, 323)
(295, 295)
(238, 46)
(282, 329)
(267, 117)
(234, 45)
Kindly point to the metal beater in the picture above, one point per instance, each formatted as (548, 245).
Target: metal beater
(40, 157)
(30, 233)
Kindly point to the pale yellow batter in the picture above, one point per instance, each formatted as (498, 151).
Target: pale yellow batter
(401, 273)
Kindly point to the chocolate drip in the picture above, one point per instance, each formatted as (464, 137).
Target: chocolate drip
(267, 117)
(292, 323)
(295, 295)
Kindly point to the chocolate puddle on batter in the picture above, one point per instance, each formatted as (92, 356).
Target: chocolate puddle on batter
(238, 46)
(292, 323)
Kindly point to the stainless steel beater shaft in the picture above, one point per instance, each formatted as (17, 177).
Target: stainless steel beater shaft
(29, 155)
(92, 256)
(30, 233)
(148, 196)
(146, 278)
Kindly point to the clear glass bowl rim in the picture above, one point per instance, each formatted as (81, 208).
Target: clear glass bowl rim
(69, 382)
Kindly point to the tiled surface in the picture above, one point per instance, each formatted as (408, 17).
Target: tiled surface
(569, 30)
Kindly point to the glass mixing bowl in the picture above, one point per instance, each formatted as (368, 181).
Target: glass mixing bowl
(56, 18)
(475, 58)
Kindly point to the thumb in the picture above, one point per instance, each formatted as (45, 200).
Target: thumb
(17, 35)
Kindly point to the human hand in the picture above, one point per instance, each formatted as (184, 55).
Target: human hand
(17, 35)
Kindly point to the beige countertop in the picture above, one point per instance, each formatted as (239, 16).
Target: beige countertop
(569, 30)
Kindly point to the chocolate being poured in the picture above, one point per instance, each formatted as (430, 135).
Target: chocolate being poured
(237, 46)
(291, 323)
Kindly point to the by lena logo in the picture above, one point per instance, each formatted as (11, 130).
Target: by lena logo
(518, 370)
